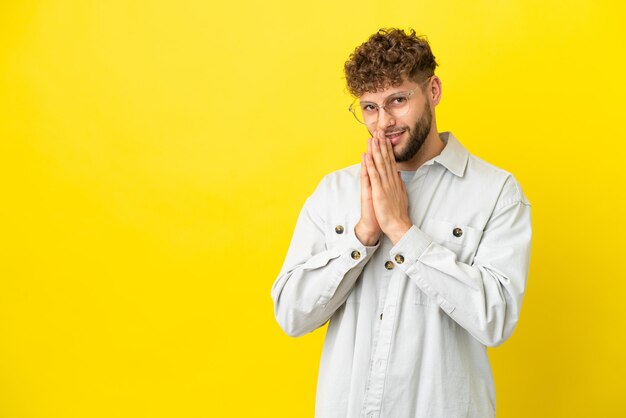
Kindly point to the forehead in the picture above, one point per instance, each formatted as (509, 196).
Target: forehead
(379, 96)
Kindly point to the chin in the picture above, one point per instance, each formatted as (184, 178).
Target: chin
(398, 151)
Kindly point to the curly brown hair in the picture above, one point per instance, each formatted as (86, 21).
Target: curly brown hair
(388, 58)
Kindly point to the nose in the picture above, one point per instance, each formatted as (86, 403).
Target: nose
(385, 120)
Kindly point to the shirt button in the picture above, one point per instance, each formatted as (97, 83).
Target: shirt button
(399, 258)
(339, 229)
(388, 265)
(355, 254)
(457, 232)
(381, 316)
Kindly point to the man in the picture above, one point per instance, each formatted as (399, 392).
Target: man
(418, 256)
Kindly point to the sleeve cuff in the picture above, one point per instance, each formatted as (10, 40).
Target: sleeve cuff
(353, 255)
(355, 249)
(410, 248)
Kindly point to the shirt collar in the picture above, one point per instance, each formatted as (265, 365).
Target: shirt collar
(454, 155)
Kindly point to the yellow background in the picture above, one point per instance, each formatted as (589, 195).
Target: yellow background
(155, 156)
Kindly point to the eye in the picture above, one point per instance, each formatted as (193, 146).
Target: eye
(368, 107)
(398, 100)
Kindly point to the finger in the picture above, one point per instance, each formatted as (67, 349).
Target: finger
(372, 172)
(394, 165)
(384, 151)
(392, 157)
(379, 164)
(385, 165)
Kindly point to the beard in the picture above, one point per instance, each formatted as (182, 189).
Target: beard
(417, 135)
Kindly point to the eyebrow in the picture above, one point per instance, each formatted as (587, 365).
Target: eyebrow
(391, 95)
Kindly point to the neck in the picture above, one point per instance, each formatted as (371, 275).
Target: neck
(433, 145)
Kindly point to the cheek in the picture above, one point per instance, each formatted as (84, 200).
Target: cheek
(412, 122)
(410, 126)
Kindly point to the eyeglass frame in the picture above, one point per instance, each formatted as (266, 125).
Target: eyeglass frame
(409, 95)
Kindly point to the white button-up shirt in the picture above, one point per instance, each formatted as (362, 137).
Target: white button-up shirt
(409, 323)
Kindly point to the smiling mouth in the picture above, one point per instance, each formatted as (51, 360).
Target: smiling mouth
(394, 136)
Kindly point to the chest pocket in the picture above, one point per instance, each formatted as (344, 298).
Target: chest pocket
(462, 239)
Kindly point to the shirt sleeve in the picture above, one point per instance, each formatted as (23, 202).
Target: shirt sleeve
(485, 297)
(316, 277)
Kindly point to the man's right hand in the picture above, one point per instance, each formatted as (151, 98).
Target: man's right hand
(367, 229)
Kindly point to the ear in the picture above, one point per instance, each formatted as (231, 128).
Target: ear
(433, 90)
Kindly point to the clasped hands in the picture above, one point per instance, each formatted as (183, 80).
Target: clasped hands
(384, 200)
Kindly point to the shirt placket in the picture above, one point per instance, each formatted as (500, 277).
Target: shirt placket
(378, 367)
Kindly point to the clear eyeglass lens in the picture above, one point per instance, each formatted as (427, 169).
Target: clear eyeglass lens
(367, 113)
(397, 105)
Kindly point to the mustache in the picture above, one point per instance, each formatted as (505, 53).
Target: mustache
(393, 131)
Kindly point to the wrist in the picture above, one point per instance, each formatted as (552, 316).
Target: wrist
(367, 238)
(396, 232)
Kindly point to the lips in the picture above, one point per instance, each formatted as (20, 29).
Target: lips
(394, 137)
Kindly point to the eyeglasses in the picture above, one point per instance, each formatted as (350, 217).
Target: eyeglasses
(396, 105)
